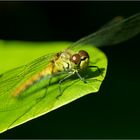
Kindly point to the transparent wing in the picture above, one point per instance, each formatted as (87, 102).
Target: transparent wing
(114, 32)
(10, 79)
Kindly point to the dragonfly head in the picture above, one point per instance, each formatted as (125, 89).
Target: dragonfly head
(80, 59)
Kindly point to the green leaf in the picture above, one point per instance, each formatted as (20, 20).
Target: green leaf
(39, 99)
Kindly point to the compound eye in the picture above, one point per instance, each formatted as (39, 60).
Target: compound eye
(83, 54)
(75, 58)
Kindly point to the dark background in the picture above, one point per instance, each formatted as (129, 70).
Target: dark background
(113, 112)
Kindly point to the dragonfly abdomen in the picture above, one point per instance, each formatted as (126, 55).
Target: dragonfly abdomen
(31, 81)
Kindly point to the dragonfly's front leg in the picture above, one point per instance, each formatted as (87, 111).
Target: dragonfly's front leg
(70, 74)
(81, 78)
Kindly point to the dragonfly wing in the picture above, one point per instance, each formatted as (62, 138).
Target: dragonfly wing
(10, 79)
(114, 32)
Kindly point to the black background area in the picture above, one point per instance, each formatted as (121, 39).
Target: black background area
(113, 112)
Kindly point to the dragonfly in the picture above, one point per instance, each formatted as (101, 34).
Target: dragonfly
(16, 82)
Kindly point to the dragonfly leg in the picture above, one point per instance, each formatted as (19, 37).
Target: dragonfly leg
(46, 90)
(81, 78)
(60, 82)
